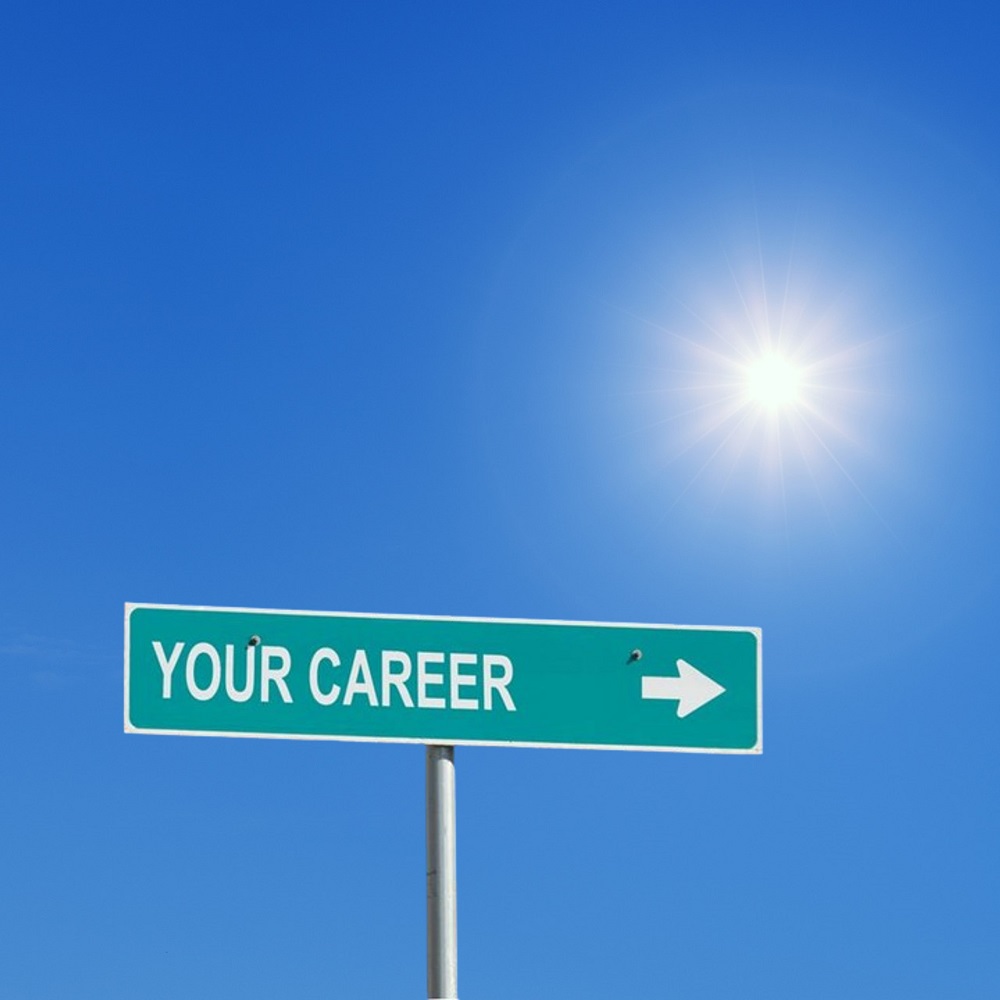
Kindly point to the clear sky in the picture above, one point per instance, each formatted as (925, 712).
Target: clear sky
(452, 309)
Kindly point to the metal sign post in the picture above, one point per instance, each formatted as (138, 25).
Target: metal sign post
(442, 895)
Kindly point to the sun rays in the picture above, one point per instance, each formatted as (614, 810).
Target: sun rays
(762, 395)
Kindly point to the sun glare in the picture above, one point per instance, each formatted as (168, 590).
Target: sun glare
(773, 382)
(771, 386)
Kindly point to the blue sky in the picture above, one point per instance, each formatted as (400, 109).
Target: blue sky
(439, 310)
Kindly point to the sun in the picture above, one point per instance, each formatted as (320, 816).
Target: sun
(770, 385)
(773, 382)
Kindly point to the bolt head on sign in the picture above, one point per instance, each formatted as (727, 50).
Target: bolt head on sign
(399, 678)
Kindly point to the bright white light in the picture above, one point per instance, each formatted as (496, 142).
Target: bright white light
(773, 382)
(769, 385)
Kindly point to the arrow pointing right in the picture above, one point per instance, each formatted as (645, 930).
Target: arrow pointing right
(690, 689)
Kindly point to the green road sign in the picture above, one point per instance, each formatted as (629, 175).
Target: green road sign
(318, 675)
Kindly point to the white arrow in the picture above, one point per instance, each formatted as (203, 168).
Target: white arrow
(691, 689)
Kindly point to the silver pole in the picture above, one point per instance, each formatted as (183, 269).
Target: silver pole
(442, 894)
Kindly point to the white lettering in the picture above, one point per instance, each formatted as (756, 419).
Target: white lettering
(425, 677)
(200, 649)
(327, 697)
(167, 666)
(460, 680)
(235, 693)
(274, 675)
(498, 684)
(397, 680)
(365, 685)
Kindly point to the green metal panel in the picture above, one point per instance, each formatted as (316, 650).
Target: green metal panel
(491, 681)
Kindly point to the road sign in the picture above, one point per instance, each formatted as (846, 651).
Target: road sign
(396, 678)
